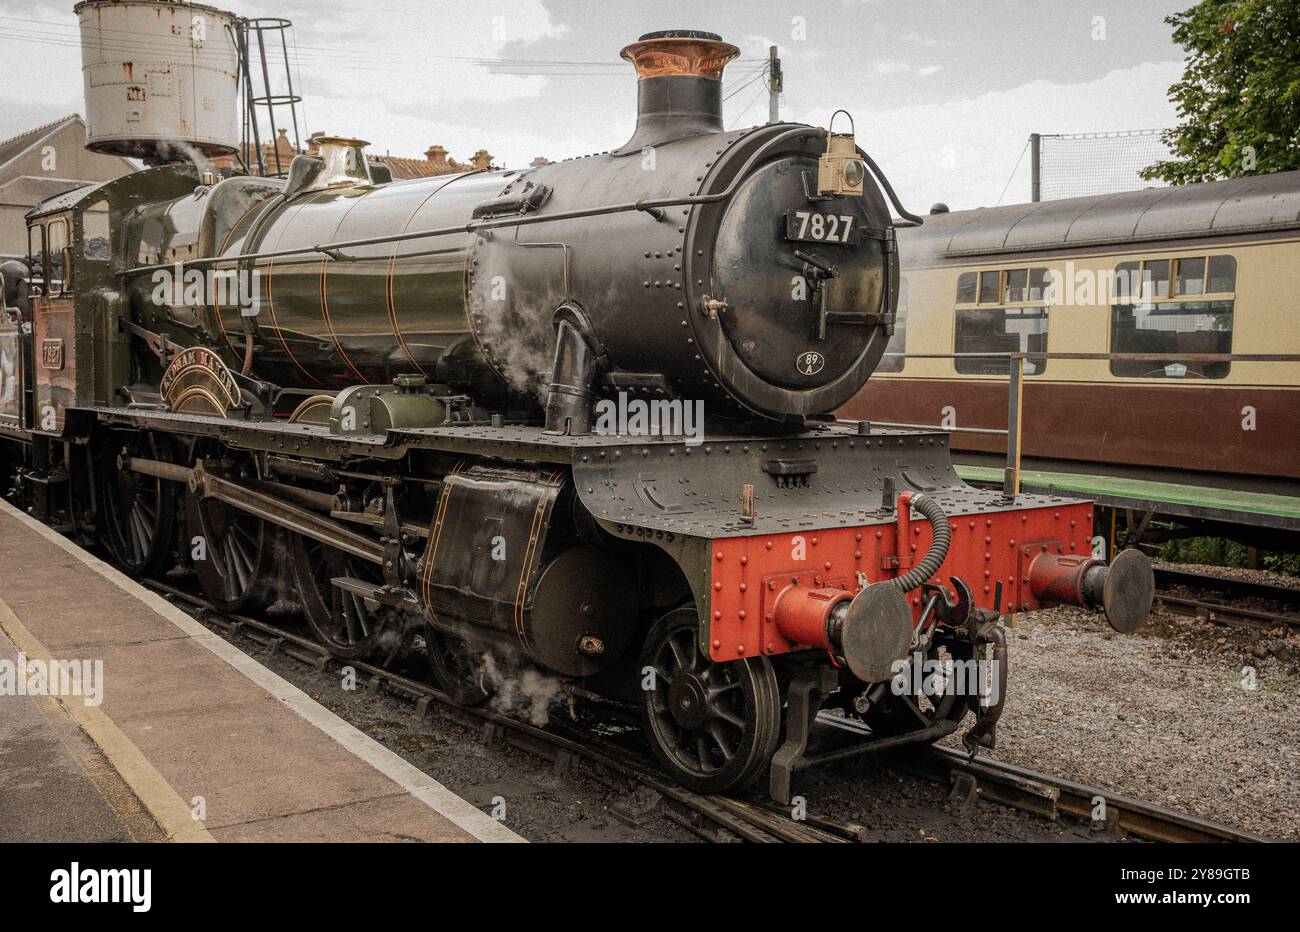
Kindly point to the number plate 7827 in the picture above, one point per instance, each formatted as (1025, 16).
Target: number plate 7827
(811, 226)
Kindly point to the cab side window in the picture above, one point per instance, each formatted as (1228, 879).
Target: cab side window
(56, 243)
(36, 255)
(96, 243)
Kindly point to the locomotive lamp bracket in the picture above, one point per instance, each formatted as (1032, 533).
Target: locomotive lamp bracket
(840, 171)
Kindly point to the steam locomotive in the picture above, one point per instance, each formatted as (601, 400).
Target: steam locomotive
(458, 412)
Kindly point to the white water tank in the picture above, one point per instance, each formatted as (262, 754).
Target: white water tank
(161, 78)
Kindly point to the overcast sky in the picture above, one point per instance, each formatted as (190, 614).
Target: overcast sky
(944, 92)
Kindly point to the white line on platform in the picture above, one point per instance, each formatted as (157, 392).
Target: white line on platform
(406, 775)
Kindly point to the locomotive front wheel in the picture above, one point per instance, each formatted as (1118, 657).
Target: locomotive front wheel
(713, 726)
(455, 670)
(139, 510)
(232, 553)
(345, 622)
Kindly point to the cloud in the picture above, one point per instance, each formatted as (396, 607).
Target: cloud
(928, 42)
(892, 67)
(928, 70)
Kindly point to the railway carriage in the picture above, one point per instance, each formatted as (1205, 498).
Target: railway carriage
(1202, 270)
(382, 401)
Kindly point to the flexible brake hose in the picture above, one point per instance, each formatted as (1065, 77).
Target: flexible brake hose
(934, 557)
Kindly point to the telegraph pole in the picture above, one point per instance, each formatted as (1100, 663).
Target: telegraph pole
(1035, 167)
(774, 86)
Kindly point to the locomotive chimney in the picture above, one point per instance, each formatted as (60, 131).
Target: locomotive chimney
(679, 85)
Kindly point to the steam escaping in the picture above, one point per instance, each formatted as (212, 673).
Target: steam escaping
(527, 694)
(521, 344)
(177, 150)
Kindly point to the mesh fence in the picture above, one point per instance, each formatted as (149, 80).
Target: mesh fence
(1083, 164)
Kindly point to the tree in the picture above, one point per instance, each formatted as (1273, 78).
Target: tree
(1239, 98)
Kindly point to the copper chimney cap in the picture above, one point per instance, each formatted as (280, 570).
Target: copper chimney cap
(679, 52)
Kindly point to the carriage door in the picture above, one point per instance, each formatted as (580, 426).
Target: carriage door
(54, 338)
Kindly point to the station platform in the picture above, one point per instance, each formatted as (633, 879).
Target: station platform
(160, 730)
(1233, 506)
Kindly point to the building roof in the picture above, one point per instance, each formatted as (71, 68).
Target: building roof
(1257, 203)
(403, 169)
(30, 190)
(15, 146)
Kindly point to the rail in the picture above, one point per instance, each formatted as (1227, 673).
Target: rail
(750, 819)
(1016, 391)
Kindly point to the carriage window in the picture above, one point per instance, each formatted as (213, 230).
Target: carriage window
(1039, 282)
(1155, 278)
(893, 360)
(1191, 277)
(1000, 330)
(1223, 274)
(1003, 286)
(1150, 317)
(966, 288)
(1017, 322)
(95, 233)
(989, 287)
(1013, 290)
(1128, 280)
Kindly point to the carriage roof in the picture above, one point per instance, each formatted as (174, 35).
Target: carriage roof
(1250, 205)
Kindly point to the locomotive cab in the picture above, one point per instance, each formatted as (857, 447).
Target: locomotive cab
(69, 251)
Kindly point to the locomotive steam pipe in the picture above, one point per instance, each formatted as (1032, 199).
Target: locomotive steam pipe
(579, 359)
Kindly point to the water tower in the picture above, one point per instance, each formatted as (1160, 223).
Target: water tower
(161, 78)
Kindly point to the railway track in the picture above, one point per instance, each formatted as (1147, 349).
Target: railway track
(729, 818)
(1052, 797)
(1210, 597)
(738, 819)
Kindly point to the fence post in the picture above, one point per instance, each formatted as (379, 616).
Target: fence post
(1015, 400)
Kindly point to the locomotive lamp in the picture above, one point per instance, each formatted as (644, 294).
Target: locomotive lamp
(840, 171)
